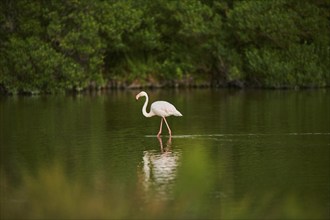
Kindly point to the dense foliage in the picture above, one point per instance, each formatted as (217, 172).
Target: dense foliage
(52, 46)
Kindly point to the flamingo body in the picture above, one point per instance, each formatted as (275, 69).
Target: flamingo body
(159, 108)
(164, 109)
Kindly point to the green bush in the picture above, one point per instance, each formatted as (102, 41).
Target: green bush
(297, 66)
(282, 43)
(71, 45)
(32, 66)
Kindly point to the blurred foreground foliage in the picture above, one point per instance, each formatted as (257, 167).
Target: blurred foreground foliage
(55, 46)
(50, 193)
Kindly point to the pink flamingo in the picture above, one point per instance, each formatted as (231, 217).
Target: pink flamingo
(160, 108)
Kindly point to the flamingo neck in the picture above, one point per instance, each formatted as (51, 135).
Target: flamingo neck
(144, 108)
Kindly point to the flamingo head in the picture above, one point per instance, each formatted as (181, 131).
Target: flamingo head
(140, 94)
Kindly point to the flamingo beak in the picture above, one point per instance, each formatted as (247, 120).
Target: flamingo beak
(137, 97)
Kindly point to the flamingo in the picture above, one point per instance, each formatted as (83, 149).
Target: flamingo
(160, 108)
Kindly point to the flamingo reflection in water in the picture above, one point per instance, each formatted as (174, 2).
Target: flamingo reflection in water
(168, 144)
(160, 169)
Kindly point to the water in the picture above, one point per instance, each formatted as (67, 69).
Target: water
(233, 155)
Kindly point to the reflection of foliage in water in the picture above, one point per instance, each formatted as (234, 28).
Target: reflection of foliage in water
(81, 156)
(51, 193)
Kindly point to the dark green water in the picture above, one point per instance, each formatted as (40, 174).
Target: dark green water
(233, 155)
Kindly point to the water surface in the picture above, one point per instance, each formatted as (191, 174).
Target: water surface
(233, 155)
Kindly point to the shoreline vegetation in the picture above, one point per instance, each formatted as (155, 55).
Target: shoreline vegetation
(73, 46)
(170, 84)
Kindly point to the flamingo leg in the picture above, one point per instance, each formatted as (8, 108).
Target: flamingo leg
(168, 127)
(160, 128)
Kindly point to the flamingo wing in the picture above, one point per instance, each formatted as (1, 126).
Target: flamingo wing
(164, 109)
